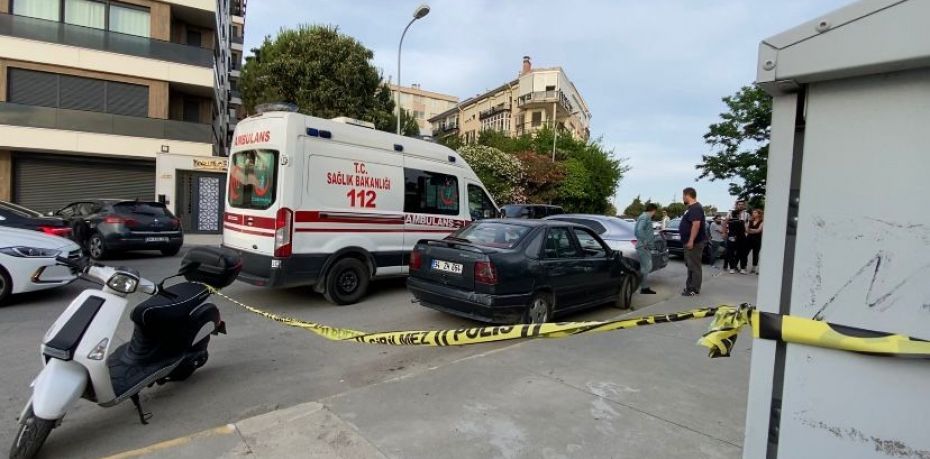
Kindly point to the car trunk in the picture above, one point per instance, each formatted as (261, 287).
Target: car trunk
(439, 261)
(146, 218)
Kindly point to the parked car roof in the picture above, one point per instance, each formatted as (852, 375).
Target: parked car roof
(614, 228)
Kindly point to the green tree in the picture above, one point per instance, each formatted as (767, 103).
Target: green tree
(710, 210)
(741, 143)
(324, 72)
(635, 209)
(675, 209)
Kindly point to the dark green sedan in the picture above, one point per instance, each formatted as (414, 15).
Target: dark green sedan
(519, 271)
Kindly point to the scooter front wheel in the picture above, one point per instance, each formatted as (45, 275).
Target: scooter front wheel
(31, 436)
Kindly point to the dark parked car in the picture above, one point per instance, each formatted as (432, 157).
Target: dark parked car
(619, 236)
(16, 216)
(530, 210)
(519, 271)
(673, 241)
(104, 226)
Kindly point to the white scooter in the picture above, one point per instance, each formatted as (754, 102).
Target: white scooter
(169, 342)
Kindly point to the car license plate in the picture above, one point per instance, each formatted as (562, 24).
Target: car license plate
(156, 239)
(447, 266)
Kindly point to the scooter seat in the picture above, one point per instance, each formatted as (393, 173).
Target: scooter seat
(166, 310)
(128, 376)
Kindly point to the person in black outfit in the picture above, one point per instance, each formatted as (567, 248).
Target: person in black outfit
(693, 232)
(754, 239)
(736, 243)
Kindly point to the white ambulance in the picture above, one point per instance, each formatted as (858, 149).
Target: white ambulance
(330, 204)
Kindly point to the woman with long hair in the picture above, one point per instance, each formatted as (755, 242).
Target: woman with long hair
(754, 238)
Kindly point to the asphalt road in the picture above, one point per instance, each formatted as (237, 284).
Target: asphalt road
(258, 367)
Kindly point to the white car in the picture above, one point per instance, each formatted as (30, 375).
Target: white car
(27, 261)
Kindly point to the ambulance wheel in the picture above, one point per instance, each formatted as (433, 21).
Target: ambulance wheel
(347, 281)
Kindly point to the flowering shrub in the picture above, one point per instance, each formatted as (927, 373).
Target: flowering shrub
(502, 173)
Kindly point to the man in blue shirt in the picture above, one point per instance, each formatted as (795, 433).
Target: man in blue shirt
(693, 234)
(645, 243)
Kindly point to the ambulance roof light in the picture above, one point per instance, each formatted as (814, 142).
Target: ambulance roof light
(275, 107)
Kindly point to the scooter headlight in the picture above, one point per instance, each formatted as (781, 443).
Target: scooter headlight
(123, 282)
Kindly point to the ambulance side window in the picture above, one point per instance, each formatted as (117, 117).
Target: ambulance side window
(430, 192)
(479, 204)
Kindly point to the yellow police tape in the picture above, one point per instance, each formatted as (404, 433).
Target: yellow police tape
(719, 339)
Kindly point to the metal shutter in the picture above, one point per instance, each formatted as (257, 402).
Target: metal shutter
(81, 93)
(33, 88)
(48, 182)
(127, 99)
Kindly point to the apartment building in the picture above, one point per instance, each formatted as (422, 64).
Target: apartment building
(538, 97)
(422, 104)
(93, 93)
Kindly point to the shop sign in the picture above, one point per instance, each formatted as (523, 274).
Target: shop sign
(219, 165)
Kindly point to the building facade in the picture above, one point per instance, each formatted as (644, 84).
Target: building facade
(92, 91)
(422, 104)
(528, 103)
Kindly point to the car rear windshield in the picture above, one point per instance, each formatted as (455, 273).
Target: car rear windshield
(492, 234)
(253, 178)
(151, 209)
(19, 210)
(512, 211)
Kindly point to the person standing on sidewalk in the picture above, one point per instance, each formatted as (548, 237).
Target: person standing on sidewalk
(754, 238)
(693, 232)
(645, 243)
(717, 237)
(736, 243)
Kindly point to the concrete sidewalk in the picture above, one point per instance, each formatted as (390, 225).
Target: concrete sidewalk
(643, 392)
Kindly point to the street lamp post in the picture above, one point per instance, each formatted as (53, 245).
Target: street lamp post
(419, 13)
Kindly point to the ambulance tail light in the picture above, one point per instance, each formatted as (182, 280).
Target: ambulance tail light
(283, 233)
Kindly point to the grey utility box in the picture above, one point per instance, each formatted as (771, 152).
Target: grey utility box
(847, 233)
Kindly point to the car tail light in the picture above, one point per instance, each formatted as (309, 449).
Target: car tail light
(284, 230)
(416, 260)
(117, 220)
(485, 272)
(62, 231)
(633, 241)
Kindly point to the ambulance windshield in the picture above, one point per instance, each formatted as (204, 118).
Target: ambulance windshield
(253, 179)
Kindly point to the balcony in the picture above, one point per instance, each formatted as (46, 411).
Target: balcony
(235, 98)
(236, 39)
(543, 98)
(102, 123)
(102, 40)
(493, 111)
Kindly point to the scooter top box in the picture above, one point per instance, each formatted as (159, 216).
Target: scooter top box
(214, 266)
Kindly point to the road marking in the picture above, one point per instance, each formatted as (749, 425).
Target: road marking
(175, 442)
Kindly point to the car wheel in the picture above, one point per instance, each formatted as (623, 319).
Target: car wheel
(625, 296)
(539, 309)
(171, 251)
(6, 285)
(347, 281)
(96, 247)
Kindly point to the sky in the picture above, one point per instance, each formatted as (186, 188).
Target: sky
(652, 72)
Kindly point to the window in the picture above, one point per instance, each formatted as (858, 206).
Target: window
(497, 122)
(45, 89)
(42, 9)
(86, 13)
(479, 204)
(430, 192)
(191, 110)
(591, 246)
(559, 244)
(492, 234)
(537, 119)
(253, 179)
(194, 37)
(129, 20)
